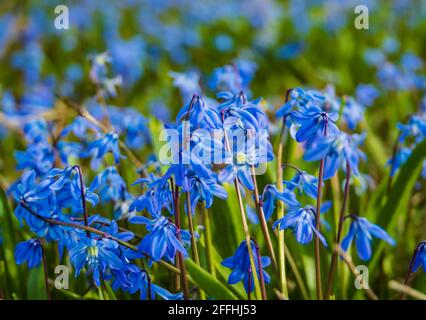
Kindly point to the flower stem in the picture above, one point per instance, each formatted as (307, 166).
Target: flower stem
(262, 220)
(318, 227)
(194, 248)
(248, 239)
(339, 230)
(280, 213)
(244, 222)
(259, 263)
(208, 241)
(181, 261)
(46, 276)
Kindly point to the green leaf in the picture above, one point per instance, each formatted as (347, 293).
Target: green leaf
(208, 283)
(399, 196)
(375, 147)
(36, 289)
(109, 291)
(227, 226)
(12, 280)
(223, 272)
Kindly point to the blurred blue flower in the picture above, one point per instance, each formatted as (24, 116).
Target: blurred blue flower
(98, 149)
(363, 232)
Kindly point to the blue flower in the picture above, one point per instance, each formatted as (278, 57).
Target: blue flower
(241, 267)
(80, 127)
(363, 231)
(98, 256)
(110, 184)
(416, 128)
(399, 159)
(301, 221)
(36, 131)
(303, 183)
(199, 113)
(314, 122)
(271, 195)
(156, 197)
(203, 190)
(98, 149)
(162, 239)
(188, 84)
(67, 186)
(37, 156)
(366, 94)
(30, 252)
(337, 151)
(353, 112)
(420, 258)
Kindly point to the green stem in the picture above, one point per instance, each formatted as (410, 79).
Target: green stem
(181, 262)
(280, 214)
(244, 223)
(208, 240)
(194, 248)
(248, 239)
(339, 231)
(46, 276)
(318, 227)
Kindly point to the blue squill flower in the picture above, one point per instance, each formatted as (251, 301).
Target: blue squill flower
(156, 197)
(337, 152)
(366, 94)
(353, 112)
(203, 190)
(30, 252)
(241, 267)
(80, 127)
(188, 84)
(271, 195)
(162, 239)
(98, 149)
(399, 159)
(301, 221)
(98, 256)
(199, 114)
(363, 232)
(36, 131)
(38, 196)
(304, 183)
(298, 100)
(38, 156)
(67, 186)
(420, 258)
(314, 122)
(110, 185)
(416, 129)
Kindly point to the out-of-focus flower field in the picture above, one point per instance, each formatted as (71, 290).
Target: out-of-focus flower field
(112, 111)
